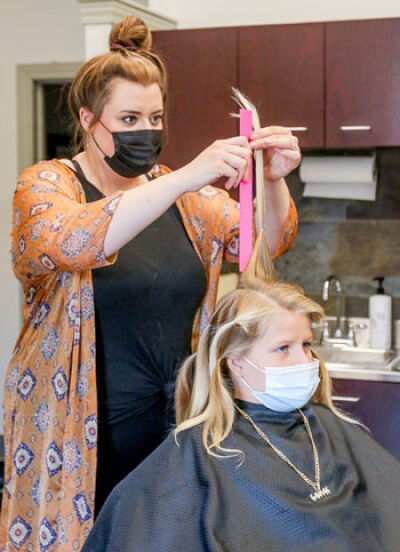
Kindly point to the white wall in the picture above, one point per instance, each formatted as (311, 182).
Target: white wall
(219, 13)
(32, 31)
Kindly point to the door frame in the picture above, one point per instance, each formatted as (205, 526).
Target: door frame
(30, 81)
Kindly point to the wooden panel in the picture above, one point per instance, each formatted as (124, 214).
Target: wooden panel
(202, 68)
(281, 69)
(378, 408)
(363, 82)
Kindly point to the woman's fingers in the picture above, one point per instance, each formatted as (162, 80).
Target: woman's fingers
(237, 140)
(239, 165)
(230, 158)
(290, 154)
(243, 152)
(282, 141)
(232, 175)
(234, 153)
(223, 158)
(269, 131)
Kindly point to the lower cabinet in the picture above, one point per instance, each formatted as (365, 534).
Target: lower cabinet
(376, 405)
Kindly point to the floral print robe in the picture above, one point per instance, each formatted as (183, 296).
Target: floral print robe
(50, 390)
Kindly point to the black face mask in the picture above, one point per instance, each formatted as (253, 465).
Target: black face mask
(136, 151)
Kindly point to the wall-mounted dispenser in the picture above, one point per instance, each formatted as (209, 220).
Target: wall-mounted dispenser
(339, 177)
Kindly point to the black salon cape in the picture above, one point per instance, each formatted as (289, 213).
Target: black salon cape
(182, 500)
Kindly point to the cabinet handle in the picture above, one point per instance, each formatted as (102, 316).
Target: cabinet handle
(355, 127)
(298, 129)
(345, 399)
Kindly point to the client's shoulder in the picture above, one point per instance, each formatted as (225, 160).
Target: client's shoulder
(174, 450)
(339, 422)
(173, 465)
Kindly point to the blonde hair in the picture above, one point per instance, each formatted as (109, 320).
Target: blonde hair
(205, 389)
(130, 58)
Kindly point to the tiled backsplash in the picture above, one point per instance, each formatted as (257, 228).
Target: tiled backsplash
(356, 240)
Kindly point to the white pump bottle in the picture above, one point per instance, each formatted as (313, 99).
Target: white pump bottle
(380, 318)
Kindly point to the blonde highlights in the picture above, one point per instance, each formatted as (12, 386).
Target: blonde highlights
(205, 389)
(130, 58)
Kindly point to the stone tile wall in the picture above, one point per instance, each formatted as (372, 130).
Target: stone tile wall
(356, 240)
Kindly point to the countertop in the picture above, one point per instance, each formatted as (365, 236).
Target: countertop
(346, 371)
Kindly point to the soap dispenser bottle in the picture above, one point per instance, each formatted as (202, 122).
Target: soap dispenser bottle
(380, 318)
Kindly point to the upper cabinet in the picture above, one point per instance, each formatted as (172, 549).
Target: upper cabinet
(281, 68)
(337, 85)
(363, 83)
(201, 66)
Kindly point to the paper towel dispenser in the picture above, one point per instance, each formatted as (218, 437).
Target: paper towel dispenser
(339, 177)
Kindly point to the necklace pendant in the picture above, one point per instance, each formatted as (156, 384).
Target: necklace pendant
(321, 493)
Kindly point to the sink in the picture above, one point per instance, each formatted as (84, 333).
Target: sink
(360, 363)
(357, 357)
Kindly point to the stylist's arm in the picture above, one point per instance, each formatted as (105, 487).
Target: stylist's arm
(281, 156)
(141, 205)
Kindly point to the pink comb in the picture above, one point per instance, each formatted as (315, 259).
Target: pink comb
(246, 198)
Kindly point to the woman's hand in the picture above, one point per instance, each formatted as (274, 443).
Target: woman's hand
(281, 150)
(223, 158)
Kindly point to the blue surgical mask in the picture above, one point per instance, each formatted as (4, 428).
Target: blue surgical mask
(287, 387)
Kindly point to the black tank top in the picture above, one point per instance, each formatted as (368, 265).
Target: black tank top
(145, 304)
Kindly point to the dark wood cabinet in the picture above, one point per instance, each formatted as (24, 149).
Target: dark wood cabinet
(202, 68)
(281, 68)
(319, 76)
(375, 404)
(363, 83)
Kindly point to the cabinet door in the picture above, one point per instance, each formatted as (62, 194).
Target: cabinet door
(375, 404)
(363, 83)
(202, 68)
(281, 69)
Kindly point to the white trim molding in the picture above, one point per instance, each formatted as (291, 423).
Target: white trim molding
(98, 12)
(29, 78)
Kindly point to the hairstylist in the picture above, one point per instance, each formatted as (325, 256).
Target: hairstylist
(116, 255)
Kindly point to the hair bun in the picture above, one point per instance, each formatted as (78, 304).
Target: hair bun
(131, 33)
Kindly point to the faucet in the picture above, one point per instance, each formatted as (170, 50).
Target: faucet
(338, 338)
(339, 301)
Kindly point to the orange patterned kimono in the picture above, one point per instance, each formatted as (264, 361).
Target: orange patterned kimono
(50, 391)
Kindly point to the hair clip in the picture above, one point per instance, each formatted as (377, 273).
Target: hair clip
(120, 44)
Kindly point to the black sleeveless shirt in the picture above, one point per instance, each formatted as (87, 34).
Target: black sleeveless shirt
(145, 304)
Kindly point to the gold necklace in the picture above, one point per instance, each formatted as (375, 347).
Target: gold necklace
(316, 485)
